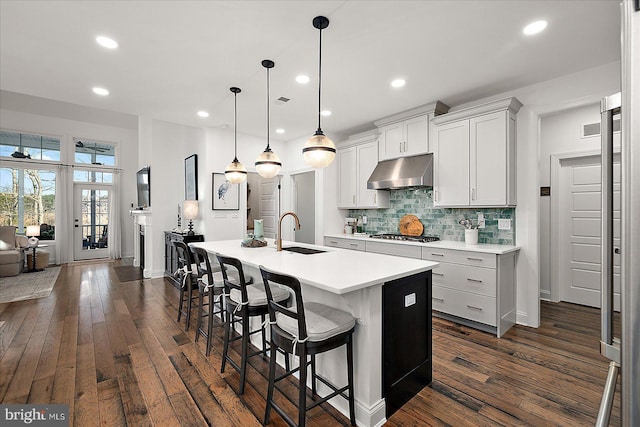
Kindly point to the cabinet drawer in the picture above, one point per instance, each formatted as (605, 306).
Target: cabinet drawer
(474, 307)
(477, 280)
(406, 251)
(336, 242)
(478, 259)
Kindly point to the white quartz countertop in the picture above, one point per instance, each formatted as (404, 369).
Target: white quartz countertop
(441, 244)
(337, 270)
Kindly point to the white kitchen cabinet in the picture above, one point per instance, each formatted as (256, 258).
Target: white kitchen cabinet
(407, 133)
(476, 289)
(475, 156)
(396, 249)
(355, 165)
(337, 242)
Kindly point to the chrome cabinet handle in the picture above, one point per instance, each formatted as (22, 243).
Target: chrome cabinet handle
(436, 195)
(474, 280)
(473, 194)
(473, 307)
(353, 198)
(438, 299)
(375, 197)
(405, 146)
(437, 274)
(353, 244)
(333, 242)
(400, 147)
(474, 259)
(435, 254)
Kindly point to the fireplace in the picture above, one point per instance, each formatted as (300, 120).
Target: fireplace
(143, 242)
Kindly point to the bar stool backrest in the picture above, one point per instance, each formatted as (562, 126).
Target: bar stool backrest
(184, 256)
(289, 283)
(201, 256)
(241, 285)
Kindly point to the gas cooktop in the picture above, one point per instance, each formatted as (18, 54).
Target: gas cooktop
(391, 236)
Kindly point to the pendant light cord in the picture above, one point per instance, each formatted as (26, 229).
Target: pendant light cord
(319, 82)
(235, 127)
(268, 116)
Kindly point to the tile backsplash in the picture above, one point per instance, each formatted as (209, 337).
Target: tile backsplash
(441, 222)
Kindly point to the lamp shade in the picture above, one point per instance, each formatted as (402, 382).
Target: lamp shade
(235, 172)
(268, 164)
(33, 230)
(319, 151)
(190, 209)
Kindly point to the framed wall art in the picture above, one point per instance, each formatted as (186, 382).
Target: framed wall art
(225, 195)
(191, 177)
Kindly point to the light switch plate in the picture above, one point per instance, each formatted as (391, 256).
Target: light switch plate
(504, 224)
(480, 220)
(409, 300)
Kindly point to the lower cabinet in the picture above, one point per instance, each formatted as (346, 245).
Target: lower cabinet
(336, 242)
(478, 289)
(170, 255)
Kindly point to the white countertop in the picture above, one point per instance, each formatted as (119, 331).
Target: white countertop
(337, 270)
(441, 244)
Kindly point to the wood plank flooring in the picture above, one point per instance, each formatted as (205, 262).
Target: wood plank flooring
(113, 351)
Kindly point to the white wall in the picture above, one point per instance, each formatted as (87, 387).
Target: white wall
(125, 138)
(560, 133)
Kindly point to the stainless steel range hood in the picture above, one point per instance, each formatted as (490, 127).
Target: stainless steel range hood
(414, 171)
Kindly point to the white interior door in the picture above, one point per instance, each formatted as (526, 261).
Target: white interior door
(269, 205)
(580, 230)
(90, 221)
(304, 203)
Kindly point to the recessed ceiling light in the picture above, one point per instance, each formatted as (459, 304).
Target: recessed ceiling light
(534, 28)
(106, 42)
(280, 130)
(302, 79)
(325, 113)
(100, 91)
(398, 83)
(203, 114)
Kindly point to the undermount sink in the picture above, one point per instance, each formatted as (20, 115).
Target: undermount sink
(304, 251)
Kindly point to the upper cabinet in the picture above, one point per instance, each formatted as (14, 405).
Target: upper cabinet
(356, 162)
(407, 133)
(475, 156)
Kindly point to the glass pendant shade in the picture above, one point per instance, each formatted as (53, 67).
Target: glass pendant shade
(319, 151)
(235, 172)
(268, 164)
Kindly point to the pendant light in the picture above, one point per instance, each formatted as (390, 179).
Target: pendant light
(235, 172)
(268, 163)
(319, 151)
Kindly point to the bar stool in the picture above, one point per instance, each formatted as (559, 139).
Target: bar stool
(188, 272)
(243, 302)
(211, 287)
(306, 330)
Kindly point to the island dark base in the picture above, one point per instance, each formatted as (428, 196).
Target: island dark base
(406, 339)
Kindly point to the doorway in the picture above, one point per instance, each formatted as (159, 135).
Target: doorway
(262, 202)
(91, 221)
(304, 205)
(578, 230)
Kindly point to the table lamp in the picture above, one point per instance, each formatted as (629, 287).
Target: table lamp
(190, 211)
(33, 232)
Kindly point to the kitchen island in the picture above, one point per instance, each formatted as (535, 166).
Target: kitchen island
(389, 296)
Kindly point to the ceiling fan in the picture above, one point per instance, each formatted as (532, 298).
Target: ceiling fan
(20, 155)
(93, 147)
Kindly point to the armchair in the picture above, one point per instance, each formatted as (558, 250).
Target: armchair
(11, 251)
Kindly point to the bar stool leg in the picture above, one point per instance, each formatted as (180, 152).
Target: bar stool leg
(313, 376)
(302, 390)
(272, 380)
(181, 301)
(200, 312)
(210, 324)
(352, 405)
(225, 350)
(264, 336)
(189, 295)
(245, 345)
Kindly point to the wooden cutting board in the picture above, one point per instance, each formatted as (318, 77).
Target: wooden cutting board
(410, 225)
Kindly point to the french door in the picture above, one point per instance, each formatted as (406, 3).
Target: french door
(91, 221)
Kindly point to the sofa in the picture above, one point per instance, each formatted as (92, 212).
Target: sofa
(11, 251)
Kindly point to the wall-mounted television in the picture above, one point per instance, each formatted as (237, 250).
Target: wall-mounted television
(143, 178)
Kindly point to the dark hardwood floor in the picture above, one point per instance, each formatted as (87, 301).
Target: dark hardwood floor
(114, 352)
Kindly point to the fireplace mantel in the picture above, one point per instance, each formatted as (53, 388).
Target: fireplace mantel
(143, 224)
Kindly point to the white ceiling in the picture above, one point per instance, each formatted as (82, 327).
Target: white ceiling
(178, 57)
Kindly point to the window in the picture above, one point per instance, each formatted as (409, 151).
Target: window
(23, 145)
(94, 153)
(92, 176)
(27, 197)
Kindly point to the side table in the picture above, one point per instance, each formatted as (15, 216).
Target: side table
(32, 267)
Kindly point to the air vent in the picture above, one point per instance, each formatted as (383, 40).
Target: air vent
(593, 129)
(282, 100)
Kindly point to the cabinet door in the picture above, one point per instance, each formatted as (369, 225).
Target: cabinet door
(488, 159)
(451, 164)
(367, 155)
(391, 141)
(416, 140)
(347, 185)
